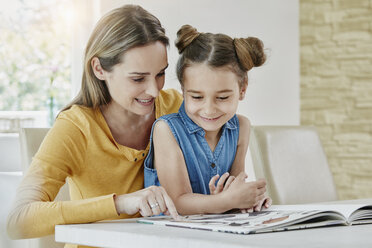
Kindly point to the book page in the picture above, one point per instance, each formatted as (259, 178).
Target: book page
(345, 209)
(263, 221)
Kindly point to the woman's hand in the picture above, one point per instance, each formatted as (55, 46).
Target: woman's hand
(222, 184)
(149, 201)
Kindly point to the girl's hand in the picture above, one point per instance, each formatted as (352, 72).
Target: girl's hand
(245, 195)
(222, 184)
(265, 203)
(149, 201)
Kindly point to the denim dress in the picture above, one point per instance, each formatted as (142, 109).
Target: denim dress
(202, 163)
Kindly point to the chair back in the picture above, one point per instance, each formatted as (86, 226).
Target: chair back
(292, 160)
(30, 140)
(9, 182)
(9, 152)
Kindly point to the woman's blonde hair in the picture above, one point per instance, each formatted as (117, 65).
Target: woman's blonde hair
(217, 50)
(118, 31)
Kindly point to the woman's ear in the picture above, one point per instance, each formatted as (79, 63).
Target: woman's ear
(243, 90)
(97, 69)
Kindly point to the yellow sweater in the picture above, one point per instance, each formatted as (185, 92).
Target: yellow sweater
(79, 147)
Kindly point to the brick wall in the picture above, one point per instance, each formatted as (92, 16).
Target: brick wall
(336, 87)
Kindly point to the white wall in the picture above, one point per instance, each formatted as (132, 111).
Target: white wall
(273, 92)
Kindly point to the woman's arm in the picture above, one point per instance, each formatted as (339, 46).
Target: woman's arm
(34, 213)
(173, 176)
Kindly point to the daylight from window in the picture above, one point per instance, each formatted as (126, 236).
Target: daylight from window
(35, 55)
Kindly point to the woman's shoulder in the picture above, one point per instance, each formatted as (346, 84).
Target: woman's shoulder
(168, 101)
(81, 117)
(78, 114)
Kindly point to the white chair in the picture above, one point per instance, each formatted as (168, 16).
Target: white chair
(10, 159)
(292, 161)
(10, 177)
(30, 140)
(9, 182)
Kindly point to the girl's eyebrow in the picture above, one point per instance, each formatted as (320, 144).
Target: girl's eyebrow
(147, 73)
(220, 91)
(224, 91)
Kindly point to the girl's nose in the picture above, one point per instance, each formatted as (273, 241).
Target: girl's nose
(209, 108)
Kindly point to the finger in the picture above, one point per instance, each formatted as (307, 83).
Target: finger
(228, 182)
(243, 210)
(258, 207)
(242, 176)
(268, 202)
(221, 182)
(144, 208)
(160, 200)
(212, 183)
(261, 191)
(250, 210)
(152, 203)
(259, 200)
(261, 183)
(170, 205)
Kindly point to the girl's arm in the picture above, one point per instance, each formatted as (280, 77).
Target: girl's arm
(244, 131)
(173, 176)
(239, 162)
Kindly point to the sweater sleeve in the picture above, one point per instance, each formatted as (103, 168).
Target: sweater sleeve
(34, 212)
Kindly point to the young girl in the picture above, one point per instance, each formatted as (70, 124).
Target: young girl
(205, 139)
(100, 140)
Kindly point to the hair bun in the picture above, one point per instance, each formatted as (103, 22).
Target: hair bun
(250, 52)
(185, 35)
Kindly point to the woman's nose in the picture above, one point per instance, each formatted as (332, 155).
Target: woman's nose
(152, 88)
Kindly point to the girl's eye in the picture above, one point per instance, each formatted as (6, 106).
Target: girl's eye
(197, 97)
(138, 80)
(222, 98)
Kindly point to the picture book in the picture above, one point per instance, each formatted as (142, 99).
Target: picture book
(276, 218)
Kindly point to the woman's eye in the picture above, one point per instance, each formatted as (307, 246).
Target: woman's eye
(222, 98)
(161, 74)
(197, 97)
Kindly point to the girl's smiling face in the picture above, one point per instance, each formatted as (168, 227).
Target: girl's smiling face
(211, 95)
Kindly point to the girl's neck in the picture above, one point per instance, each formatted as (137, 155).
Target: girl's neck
(212, 138)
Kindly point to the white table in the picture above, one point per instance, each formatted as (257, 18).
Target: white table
(128, 233)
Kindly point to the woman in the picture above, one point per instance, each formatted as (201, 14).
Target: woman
(99, 141)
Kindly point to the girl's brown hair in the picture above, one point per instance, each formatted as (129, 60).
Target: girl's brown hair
(118, 31)
(216, 50)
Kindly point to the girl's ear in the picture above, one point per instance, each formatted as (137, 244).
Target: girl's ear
(97, 69)
(183, 92)
(243, 90)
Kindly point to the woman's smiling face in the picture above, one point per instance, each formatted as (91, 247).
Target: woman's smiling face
(136, 81)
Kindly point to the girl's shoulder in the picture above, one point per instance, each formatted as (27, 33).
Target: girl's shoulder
(244, 122)
(244, 127)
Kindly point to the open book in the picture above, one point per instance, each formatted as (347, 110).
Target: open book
(276, 218)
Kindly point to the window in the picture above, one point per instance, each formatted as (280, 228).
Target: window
(35, 60)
